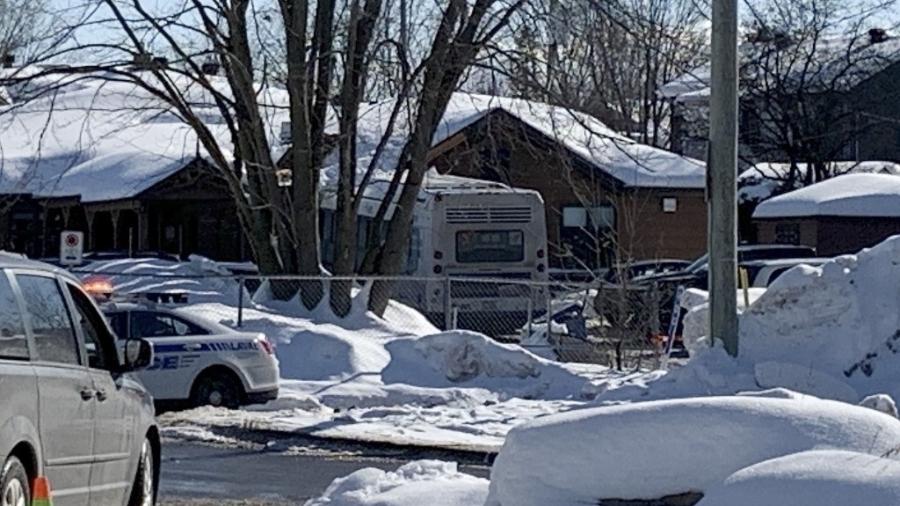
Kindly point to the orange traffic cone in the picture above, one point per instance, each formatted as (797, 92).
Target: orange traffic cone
(41, 492)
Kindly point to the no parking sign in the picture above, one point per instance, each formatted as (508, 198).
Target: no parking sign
(71, 247)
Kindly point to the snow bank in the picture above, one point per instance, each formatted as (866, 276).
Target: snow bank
(696, 302)
(458, 358)
(831, 331)
(437, 483)
(653, 449)
(395, 379)
(813, 478)
(840, 320)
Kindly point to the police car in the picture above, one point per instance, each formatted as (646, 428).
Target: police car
(197, 362)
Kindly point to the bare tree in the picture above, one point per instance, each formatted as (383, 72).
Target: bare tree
(608, 58)
(167, 54)
(803, 63)
(463, 31)
(328, 48)
(20, 26)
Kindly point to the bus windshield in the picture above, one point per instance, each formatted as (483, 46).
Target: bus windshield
(479, 246)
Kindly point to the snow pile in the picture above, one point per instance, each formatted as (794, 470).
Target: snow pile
(832, 331)
(461, 357)
(839, 319)
(696, 302)
(813, 478)
(392, 379)
(655, 449)
(434, 482)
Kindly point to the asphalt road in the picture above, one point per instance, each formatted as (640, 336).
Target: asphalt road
(200, 475)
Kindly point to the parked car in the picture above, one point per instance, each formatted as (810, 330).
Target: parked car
(762, 273)
(198, 362)
(70, 410)
(637, 270)
(696, 275)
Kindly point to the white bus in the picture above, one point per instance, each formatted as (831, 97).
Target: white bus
(464, 231)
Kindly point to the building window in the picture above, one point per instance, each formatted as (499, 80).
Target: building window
(787, 233)
(586, 236)
(593, 217)
(574, 217)
(669, 204)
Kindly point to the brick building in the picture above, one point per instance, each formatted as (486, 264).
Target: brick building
(606, 196)
(837, 216)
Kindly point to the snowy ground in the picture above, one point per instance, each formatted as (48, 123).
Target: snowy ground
(392, 380)
(775, 449)
(730, 430)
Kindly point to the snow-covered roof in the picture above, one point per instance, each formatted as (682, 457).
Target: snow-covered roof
(763, 179)
(102, 140)
(694, 81)
(851, 195)
(630, 162)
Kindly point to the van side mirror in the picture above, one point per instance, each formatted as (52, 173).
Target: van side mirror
(138, 354)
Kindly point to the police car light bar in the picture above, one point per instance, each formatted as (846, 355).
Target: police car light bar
(98, 286)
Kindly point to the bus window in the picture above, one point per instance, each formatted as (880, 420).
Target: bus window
(474, 246)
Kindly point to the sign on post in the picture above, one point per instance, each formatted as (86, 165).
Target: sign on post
(71, 247)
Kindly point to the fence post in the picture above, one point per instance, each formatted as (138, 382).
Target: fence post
(240, 318)
(549, 303)
(530, 307)
(448, 304)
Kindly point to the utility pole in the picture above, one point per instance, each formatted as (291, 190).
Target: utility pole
(722, 175)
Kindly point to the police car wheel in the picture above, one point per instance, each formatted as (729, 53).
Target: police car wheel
(218, 390)
(14, 484)
(143, 492)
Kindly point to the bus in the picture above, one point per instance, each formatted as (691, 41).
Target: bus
(484, 241)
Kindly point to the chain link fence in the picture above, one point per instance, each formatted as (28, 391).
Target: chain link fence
(618, 326)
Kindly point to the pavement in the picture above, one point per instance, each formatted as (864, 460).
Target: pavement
(201, 474)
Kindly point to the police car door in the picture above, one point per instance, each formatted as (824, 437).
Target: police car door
(177, 353)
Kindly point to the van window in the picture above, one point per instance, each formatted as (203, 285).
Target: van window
(119, 324)
(97, 342)
(54, 335)
(13, 342)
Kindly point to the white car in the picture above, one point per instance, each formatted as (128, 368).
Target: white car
(761, 273)
(197, 362)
